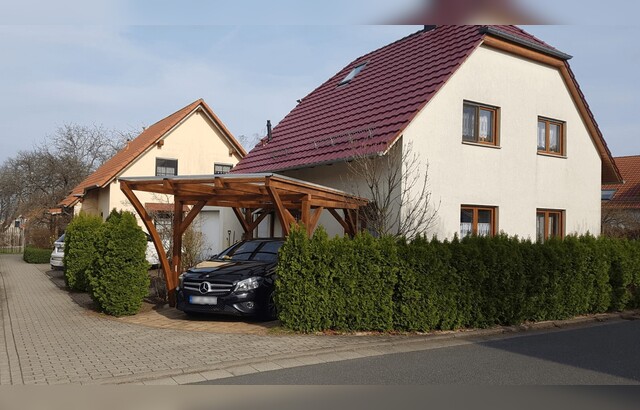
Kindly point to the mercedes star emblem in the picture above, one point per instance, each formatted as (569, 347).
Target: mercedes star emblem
(205, 287)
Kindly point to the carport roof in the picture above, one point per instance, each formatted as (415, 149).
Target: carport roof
(244, 190)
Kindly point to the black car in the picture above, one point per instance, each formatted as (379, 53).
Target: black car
(238, 281)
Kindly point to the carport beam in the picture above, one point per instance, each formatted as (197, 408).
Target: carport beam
(157, 243)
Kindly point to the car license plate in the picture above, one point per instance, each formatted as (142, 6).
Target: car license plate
(203, 300)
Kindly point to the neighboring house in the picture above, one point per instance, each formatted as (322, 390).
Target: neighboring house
(191, 141)
(12, 235)
(621, 202)
(497, 114)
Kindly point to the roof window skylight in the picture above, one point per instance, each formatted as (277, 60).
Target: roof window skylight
(352, 74)
(607, 194)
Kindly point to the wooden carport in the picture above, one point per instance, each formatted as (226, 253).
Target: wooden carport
(251, 196)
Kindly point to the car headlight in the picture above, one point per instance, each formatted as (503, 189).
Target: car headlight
(180, 281)
(248, 284)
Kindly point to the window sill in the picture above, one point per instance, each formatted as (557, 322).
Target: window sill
(480, 144)
(546, 154)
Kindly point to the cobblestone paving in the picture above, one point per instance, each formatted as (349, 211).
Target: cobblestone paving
(47, 338)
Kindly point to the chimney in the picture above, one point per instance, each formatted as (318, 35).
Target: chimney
(268, 130)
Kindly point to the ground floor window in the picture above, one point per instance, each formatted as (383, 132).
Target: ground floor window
(549, 224)
(477, 220)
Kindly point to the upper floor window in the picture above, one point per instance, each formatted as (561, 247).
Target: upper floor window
(479, 123)
(166, 167)
(549, 224)
(550, 136)
(477, 220)
(221, 168)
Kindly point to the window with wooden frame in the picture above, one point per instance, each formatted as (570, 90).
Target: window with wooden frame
(551, 138)
(477, 220)
(480, 123)
(549, 224)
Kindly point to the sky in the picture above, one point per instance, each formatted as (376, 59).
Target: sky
(130, 64)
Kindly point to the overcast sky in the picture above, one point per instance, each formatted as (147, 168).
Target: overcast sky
(126, 76)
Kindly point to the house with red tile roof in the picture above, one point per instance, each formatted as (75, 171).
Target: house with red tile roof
(191, 141)
(621, 202)
(497, 114)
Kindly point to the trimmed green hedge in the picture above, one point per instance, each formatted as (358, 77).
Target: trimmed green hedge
(119, 280)
(314, 293)
(383, 284)
(36, 255)
(80, 250)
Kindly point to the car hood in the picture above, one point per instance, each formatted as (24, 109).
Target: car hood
(228, 270)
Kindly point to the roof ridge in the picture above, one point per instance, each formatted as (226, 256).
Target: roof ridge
(195, 104)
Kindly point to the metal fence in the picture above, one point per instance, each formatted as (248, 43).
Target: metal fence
(12, 240)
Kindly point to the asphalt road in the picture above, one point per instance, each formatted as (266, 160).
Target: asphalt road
(602, 354)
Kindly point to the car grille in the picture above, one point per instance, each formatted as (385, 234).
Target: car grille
(217, 288)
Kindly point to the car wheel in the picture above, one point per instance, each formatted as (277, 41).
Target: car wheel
(270, 311)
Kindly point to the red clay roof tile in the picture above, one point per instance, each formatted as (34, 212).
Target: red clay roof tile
(366, 116)
(627, 195)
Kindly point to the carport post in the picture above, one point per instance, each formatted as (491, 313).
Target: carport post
(157, 242)
(177, 245)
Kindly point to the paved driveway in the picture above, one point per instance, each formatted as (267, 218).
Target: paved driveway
(47, 338)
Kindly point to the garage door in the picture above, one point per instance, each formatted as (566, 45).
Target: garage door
(210, 227)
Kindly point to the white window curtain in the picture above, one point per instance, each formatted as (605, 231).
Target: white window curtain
(554, 131)
(466, 229)
(540, 227)
(484, 125)
(468, 122)
(542, 130)
(484, 229)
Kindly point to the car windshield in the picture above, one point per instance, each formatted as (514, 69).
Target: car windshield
(266, 251)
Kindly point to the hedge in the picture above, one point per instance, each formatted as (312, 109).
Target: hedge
(384, 284)
(36, 255)
(80, 250)
(119, 280)
(314, 293)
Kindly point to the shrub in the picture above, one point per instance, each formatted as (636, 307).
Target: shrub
(474, 282)
(80, 250)
(120, 279)
(337, 284)
(36, 255)
(425, 296)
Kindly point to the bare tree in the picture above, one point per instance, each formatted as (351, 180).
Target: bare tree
(397, 185)
(90, 145)
(248, 142)
(33, 181)
(621, 223)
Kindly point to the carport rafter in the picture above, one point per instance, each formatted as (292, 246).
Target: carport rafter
(248, 195)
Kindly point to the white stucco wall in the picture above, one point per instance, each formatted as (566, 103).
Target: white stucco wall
(513, 177)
